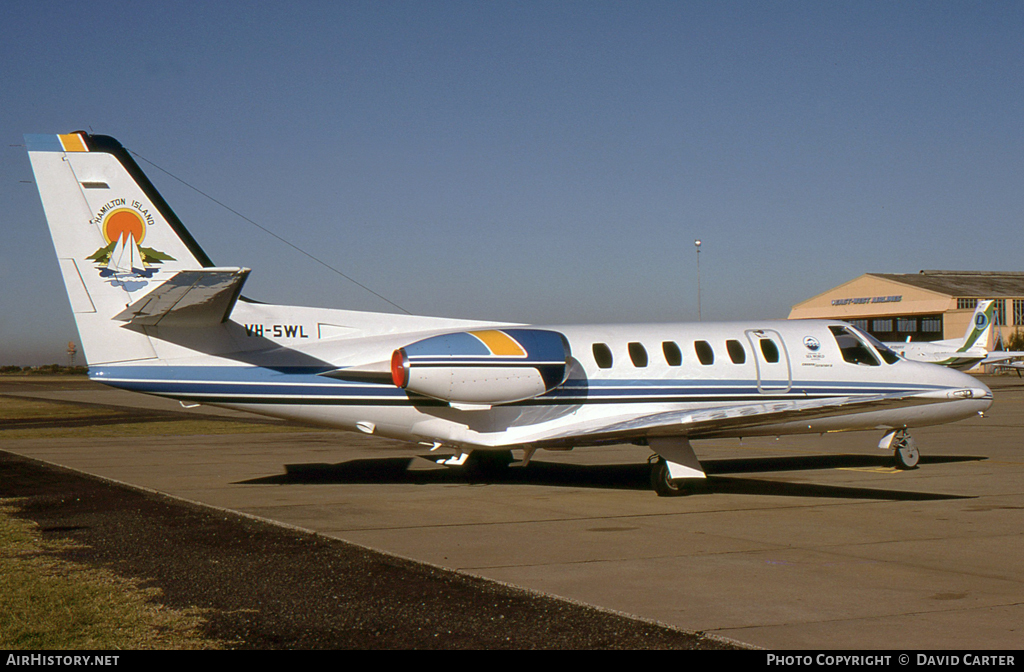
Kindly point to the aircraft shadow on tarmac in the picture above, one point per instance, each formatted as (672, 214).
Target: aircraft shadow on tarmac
(414, 471)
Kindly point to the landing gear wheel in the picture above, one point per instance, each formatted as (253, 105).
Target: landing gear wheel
(905, 451)
(666, 486)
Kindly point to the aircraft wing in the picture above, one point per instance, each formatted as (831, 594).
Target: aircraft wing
(1001, 356)
(1016, 366)
(195, 298)
(727, 419)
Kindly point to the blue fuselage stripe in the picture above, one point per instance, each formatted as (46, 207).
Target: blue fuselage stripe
(301, 385)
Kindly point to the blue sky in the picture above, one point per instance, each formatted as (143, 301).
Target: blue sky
(547, 162)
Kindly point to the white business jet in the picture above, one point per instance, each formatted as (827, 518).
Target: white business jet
(964, 353)
(156, 316)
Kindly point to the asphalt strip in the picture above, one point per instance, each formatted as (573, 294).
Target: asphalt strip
(266, 586)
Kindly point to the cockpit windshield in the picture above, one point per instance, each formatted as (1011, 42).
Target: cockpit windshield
(887, 354)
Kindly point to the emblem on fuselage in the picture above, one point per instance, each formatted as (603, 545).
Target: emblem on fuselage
(811, 343)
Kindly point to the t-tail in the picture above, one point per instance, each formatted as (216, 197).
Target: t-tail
(980, 326)
(117, 241)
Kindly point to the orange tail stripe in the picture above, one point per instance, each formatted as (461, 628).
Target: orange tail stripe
(73, 143)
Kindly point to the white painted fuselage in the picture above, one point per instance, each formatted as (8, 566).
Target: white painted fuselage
(282, 376)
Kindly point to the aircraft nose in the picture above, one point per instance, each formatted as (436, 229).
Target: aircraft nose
(966, 386)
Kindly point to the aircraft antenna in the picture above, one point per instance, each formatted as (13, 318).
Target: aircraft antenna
(271, 233)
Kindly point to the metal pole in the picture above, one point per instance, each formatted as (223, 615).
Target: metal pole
(696, 244)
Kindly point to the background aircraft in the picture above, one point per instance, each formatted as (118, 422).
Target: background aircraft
(964, 353)
(156, 315)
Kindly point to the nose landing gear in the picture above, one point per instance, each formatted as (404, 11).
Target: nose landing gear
(904, 448)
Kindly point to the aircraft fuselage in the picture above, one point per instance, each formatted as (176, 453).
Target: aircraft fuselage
(615, 371)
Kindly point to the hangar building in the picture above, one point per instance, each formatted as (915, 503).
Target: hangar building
(926, 306)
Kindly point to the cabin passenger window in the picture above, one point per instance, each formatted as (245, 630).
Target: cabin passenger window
(603, 355)
(638, 354)
(672, 354)
(769, 350)
(736, 352)
(704, 352)
(854, 350)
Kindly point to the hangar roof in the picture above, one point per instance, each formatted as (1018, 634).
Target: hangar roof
(980, 284)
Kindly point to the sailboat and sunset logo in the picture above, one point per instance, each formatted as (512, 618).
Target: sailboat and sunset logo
(124, 261)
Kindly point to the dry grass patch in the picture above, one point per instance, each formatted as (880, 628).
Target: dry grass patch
(22, 418)
(49, 603)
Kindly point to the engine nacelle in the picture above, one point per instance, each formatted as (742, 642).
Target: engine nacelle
(492, 366)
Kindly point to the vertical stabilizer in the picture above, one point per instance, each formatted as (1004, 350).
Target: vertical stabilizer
(980, 326)
(115, 236)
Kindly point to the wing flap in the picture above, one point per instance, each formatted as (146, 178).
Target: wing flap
(195, 298)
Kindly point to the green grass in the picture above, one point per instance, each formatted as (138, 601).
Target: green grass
(49, 603)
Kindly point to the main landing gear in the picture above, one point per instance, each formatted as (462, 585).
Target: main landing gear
(666, 486)
(675, 470)
(904, 448)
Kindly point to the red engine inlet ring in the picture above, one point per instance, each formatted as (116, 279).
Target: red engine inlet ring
(400, 368)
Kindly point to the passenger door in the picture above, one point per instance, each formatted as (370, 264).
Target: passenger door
(771, 358)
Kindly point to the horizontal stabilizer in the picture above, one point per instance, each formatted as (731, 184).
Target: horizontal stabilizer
(194, 298)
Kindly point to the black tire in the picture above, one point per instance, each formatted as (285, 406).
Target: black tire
(665, 486)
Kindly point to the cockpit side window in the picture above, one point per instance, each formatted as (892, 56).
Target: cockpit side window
(854, 350)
